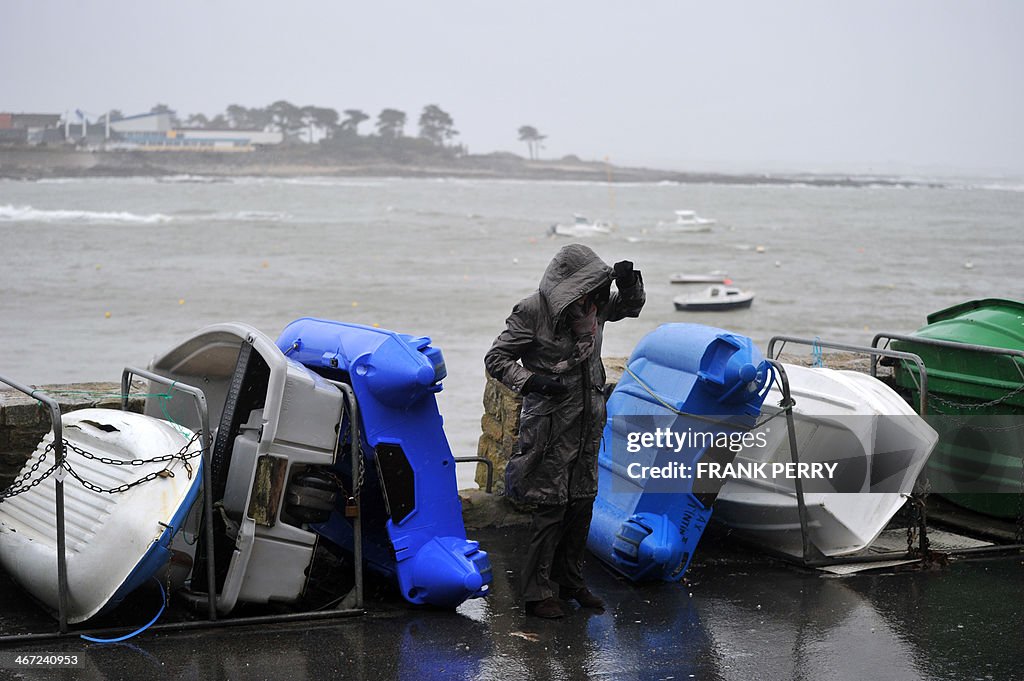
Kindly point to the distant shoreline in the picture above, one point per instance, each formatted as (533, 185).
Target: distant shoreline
(35, 164)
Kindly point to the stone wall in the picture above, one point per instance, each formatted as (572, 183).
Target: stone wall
(24, 420)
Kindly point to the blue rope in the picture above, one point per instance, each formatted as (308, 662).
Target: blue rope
(163, 604)
(819, 359)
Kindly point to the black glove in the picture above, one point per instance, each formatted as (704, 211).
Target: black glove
(544, 386)
(625, 275)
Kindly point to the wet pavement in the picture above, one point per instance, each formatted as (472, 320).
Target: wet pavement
(738, 615)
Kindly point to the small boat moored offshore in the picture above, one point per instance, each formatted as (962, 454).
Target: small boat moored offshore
(686, 378)
(876, 442)
(687, 221)
(115, 542)
(581, 226)
(714, 299)
(974, 358)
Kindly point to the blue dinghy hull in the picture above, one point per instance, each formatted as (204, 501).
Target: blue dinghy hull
(687, 379)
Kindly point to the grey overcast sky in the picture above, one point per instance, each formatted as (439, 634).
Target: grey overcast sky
(913, 86)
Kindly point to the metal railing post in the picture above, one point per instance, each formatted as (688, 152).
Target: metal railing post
(58, 450)
(486, 462)
(801, 503)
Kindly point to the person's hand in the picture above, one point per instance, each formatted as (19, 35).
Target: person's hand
(544, 386)
(625, 276)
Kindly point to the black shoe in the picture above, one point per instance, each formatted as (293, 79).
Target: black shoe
(583, 596)
(549, 609)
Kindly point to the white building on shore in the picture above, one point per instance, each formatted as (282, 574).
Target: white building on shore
(157, 132)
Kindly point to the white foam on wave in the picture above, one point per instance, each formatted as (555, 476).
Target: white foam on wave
(201, 215)
(255, 216)
(10, 213)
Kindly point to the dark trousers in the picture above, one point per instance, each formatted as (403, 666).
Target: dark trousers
(554, 557)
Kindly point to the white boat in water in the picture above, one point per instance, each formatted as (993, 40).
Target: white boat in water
(581, 226)
(687, 221)
(877, 441)
(115, 541)
(714, 299)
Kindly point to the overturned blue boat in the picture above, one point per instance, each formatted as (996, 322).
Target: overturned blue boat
(281, 464)
(412, 520)
(689, 395)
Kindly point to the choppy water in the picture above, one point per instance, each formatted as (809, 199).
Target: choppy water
(449, 258)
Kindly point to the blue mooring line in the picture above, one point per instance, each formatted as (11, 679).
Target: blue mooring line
(163, 604)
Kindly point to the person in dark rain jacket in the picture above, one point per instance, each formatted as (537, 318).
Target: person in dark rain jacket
(550, 352)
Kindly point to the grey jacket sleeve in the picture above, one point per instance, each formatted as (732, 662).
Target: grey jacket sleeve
(627, 302)
(501, 360)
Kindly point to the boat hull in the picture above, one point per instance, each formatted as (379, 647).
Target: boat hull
(275, 421)
(713, 306)
(682, 377)
(879, 446)
(115, 542)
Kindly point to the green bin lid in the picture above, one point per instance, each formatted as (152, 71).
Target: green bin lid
(994, 322)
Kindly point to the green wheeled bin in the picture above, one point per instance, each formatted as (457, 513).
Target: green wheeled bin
(975, 402)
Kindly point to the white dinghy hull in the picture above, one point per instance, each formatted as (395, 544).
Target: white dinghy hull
(115, 541)
(879, 443)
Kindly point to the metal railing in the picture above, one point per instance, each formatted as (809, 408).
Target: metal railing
(873, 352)
(58, 447)
(486, 462)
(948, 345)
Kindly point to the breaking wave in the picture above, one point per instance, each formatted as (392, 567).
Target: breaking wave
(9, 213)
(201, 215)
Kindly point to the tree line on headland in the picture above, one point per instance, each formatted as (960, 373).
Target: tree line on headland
(325, 125)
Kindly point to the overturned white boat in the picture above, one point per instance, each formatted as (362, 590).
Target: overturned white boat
(874, 443)
(116, 539)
